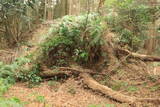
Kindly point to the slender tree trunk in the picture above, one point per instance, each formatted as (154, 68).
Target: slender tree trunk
(151, 43)
(45, 10)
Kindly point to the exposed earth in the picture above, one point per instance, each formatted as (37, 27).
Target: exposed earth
(134, 78)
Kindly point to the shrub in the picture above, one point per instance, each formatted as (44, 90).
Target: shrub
(131, 22)
(77, 37)
(9, 74)
(30, 76)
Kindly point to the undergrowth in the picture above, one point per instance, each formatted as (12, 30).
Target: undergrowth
(17, 71)
(76, 38)
(30, 76)
(8, 76)
(131, 22)
(10, 102)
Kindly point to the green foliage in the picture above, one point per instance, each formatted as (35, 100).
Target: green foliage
(53, 46)
(155, 88)
(30, 76)
(130, 21)
(109, 105)
(119, 85)
(100, 105)
(93, 105)
(11, 102)
(15, 20)
(80, 55)
(78, 37)
(119, 3)
(56, 41)
(4, 86)
(40, 99)
(129, 38)
(21, 61)
(8, 73)
(132, 89)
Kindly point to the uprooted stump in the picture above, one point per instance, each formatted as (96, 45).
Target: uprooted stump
(94, 85)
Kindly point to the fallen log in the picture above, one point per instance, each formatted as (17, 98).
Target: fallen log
(47, 74)
(94, 85)
(66, 71)
(140, 56)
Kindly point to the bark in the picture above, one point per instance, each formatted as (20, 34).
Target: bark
(108, 48)
(45, 10)
(151, 43)
(140, 56)
(101, 3)
(65, 71)
(94, 85)
(91, 83)
(48, 74)
(111, 57)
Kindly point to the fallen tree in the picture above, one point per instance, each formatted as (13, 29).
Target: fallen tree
(91, 83)
(54, 46)
(94, 85)
(65, 71)
(139, 56)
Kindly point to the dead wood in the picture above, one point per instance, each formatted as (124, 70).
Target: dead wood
(50, 73)
(6, 51)
(109, 49)
(66, 71)
(91, 83)
(94, 85)
(140, 56)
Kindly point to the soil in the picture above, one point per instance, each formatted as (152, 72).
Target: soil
(134, 78)
(67, 94)
(130, 80)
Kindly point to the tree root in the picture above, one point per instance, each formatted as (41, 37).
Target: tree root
(6, 51)
(47, 74)
(140, 56)
(66, 71)
(94, 85)
(109, 49)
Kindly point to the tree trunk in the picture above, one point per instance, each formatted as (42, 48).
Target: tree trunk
(151, 43)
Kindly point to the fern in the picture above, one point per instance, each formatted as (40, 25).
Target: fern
(74, 33)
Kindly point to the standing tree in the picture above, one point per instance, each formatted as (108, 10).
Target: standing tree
(14, 16)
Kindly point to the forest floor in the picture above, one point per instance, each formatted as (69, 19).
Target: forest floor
(134, 79)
